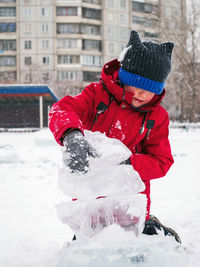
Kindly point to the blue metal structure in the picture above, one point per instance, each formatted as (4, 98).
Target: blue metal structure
(25, 106)
(24, 90)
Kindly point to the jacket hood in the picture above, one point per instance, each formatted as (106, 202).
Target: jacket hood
(110, 79)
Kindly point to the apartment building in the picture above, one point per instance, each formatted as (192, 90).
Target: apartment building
(68, 41)
(8, 41)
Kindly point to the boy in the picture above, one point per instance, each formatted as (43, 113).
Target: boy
(128, 94)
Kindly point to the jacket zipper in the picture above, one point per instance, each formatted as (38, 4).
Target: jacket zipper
(101, 108)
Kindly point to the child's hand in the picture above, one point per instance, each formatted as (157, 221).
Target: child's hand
(77, 152)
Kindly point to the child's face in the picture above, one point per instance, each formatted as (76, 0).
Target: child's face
(141, 96)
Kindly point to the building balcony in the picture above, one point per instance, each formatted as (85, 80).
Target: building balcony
(8, 68)
(91, 13)
(9, 76)
(92, 45)
(7, 46)
(7, 3)
(92, 68)
(7, 27)
(76, 30)
(7, 61)
(145, 7)
(68, 2)
(7, 12)
(77, 19)
(8, 53)
(96, 2)
(77, 14)
(69, 67)
(89, 4)
(8, 35)
(79, 2)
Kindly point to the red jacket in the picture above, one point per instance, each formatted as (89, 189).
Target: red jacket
(106, 107)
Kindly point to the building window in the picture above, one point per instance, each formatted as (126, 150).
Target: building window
(138, 20)
(27, 45)
(8, 1)
(122, 19)
(111, 47)
(66, 11)
(178, 2)
(28, 77)
(97, 2)
(90, 29)
(44, 11)
(68, 59)
(8, 76)
(27, 28)
(7, 27)
(123, 3)
(45, 60)
(91, 13)
(110, 31)
(91, 45)
(90, 76)
(45, 43)
(67, 28)
(27, 60)
(27, 11)
(45, 77)
(151, 35)
(123, 33)
(143, 7)
(7, 11)
(7, 45)
(89, 60)
(110, 16)
(45, 27)
(7, 61)
(68, 75)
(177, 108)
(66, 43)
(144, 21)
(110, 3)
(122, 47)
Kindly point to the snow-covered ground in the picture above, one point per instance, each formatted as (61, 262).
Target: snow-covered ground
(31, 235)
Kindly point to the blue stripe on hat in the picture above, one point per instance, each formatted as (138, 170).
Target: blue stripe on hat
(140, 82)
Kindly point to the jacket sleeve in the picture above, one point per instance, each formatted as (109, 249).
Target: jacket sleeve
(156, 158)
(71, 112)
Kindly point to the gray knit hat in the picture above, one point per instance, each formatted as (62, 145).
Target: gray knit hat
(146, 65)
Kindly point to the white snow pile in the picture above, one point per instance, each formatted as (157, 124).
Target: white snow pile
(109, 228)
(31, 234)
(115, 247)
(8, 154)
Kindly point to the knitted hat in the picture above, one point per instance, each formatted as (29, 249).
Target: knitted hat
(146, 65)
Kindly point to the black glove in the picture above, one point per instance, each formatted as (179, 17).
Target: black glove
(126, 162)
(77, 152)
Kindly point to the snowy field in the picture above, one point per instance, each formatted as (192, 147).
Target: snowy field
(31, 235)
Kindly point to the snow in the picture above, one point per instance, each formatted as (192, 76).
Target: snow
(31, 233)
(123, 250)
(123, 53)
